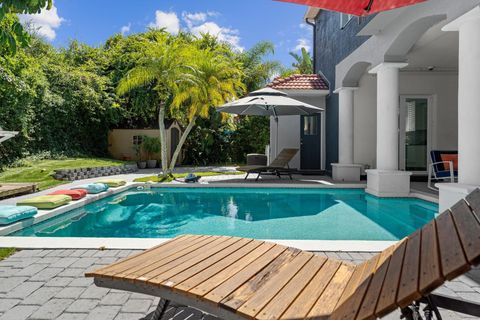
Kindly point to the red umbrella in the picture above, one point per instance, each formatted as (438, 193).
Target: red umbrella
(356, 7)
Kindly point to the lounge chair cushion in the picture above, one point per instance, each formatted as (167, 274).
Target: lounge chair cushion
(10, 214)
(251, 168)
(74, 194)
(46, 202)
(450, 158)
(113, 183)
(92, 188)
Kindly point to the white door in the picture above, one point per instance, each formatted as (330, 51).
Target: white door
(415, 133)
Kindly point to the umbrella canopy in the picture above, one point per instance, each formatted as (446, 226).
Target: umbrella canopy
(5, 135)
(268, 102)
(356, 7)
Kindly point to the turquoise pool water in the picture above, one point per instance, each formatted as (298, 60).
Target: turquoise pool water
(273, 213)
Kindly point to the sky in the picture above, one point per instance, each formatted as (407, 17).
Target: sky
(242, 23)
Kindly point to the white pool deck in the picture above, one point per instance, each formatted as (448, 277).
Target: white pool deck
(233, 181)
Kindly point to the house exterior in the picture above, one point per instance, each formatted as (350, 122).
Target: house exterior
(403, 82)
(122, 142)
(305, 133)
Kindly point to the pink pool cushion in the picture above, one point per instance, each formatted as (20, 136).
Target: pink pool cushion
(74, 194)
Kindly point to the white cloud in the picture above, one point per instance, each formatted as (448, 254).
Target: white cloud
(195, 18)
(197, 23)
(223, 34)
(167, 20)
(126, 29)
(44, 23)
(303, 43)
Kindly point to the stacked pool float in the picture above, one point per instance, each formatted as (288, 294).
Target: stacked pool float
(28, 208)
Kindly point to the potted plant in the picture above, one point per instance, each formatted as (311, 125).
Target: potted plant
(151, 146)
(138, 153)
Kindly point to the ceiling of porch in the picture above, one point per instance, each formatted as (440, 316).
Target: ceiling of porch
(436, 50)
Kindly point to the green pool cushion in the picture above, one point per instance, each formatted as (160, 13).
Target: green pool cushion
(113, 183)
(46, 202)
(92, 188)
(10, 214)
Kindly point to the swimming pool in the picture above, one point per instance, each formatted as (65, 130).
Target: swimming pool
(262, 213)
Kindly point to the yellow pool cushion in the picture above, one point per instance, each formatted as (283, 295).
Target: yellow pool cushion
(112, 183)
(46, 202)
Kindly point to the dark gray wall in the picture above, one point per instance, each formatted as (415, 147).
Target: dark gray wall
(332, 45)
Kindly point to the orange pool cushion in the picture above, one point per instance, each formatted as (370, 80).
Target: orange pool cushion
(74, 194)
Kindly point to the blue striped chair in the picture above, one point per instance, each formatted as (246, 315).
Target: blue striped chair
(443, 167)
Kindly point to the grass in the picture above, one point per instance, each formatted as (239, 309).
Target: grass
(183, 175)
(40, 171)
(6, 252)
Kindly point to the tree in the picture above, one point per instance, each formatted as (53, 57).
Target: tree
(218, 79)
(12, 32)
(258, 71)
(165, 67)
(303, 62)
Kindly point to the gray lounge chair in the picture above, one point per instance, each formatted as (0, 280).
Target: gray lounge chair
(279, 166)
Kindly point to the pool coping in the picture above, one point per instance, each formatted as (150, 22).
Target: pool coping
(144, 243)
(147, 243)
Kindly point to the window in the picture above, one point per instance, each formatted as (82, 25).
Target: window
(137, 140)
(309, 125)
(345, 19)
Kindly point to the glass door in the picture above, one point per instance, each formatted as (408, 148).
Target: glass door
(414, 133)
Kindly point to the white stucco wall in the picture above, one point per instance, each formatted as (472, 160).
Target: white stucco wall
(382, 46)
(442, 86)
(289, 130)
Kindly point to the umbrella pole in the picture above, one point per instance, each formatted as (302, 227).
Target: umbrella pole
(276, 139)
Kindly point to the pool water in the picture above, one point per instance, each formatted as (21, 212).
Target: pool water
(262, 213)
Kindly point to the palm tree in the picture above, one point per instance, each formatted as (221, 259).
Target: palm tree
(165, 66)
(303, 62)
(259, 72)
(218, 80)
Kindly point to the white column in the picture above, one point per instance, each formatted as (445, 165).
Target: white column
(345, 169)
(468, 27)
(387, 180)
(345, 125)
(388, 100)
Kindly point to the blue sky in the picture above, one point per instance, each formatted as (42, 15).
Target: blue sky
(239, 22)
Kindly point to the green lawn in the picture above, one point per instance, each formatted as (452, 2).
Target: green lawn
(6, 252)
(40, 171)
(183, 175)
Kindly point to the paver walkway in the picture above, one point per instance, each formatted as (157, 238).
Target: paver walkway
(49, 284)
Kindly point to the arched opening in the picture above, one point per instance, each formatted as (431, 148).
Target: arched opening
(404, 42)
(354, 74)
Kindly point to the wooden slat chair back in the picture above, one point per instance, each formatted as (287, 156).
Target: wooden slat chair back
(238, 278)
(442, 250)
(283, 158)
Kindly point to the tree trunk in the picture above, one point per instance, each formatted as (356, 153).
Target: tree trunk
(181, 142)
(163, 138)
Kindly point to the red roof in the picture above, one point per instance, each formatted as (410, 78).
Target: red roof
(300, 82)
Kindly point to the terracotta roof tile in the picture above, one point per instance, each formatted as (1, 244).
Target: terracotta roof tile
(300, 82)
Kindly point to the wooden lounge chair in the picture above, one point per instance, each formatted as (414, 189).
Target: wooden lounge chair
(279, 166)
(238, 278)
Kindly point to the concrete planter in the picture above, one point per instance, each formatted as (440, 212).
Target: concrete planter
(151, 164)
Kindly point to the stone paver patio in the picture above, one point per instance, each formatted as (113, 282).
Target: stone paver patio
(49, 284)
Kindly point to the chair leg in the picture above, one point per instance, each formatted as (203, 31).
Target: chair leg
(161, 308)
(258, 177)
(430, 173)
(247, 175)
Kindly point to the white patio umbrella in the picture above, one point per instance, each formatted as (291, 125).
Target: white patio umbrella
(5, 135)
(269, 102)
